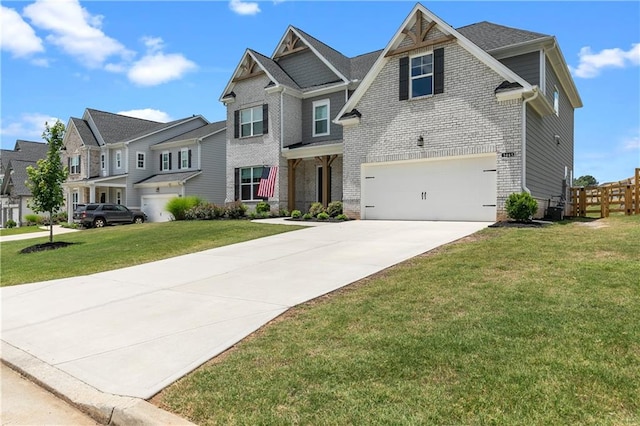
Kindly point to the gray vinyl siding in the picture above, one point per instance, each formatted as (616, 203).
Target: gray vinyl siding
(337, 101)
(292, 120)
(210, 185)
(526, 66)
(546, 160)
(306, 69)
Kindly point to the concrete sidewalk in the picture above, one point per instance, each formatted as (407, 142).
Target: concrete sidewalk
(131, 332)
(57, 230)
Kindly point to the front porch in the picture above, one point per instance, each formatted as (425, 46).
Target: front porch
(100, 190)
(308, 180)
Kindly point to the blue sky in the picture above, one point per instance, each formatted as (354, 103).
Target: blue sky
(166, 60)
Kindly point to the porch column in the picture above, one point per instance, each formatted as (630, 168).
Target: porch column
(92, 193)
(291, 187)
(326, 161)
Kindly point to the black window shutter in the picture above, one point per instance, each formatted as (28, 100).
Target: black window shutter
(179, 160)
(69, 163)
(236, 184)
(403, 79)
(265, 119)
(79, 163)
(169, 161)
(236, 124)
(189, 158)
(438, 71)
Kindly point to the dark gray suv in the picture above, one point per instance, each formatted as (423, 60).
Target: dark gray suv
(98, 215)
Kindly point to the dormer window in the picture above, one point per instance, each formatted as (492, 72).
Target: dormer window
(321, 118)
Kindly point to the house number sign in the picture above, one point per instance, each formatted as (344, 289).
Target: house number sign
(508, 154)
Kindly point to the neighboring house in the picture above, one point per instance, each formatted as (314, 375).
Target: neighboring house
(442, 124)
(14, 193)
(141, 163)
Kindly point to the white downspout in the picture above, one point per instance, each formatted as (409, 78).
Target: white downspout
(524, 140)
(281, 120)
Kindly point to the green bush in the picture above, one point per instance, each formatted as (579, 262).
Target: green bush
(263, 207)
(315, 209)
(307, 216)
(33, 219)
(334, 208)
(521, 207)
(179, 206)
(235, 210)
(205, 211)
(342, 216)
(283, 213)
(296, 214)
(10, 223)
(61, 217)
(323, 216)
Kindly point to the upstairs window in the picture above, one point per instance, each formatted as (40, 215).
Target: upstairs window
(184, 158)
(321, 118)
(421, 75)
(118, 159)
(74, 165)
(556, 101)
(140, 163)
(165, 161)
(103, 162)
(251, 122)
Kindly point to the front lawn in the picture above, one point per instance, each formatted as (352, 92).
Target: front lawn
(21, 230)
(512, 327)
(97, 250)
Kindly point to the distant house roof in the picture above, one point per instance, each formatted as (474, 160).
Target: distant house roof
(197, 133)
(489, 36)
(18, 177)
(114, 128)
(24, 150)
(87, 136)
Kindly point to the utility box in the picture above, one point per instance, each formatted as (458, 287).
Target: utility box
(555, 213)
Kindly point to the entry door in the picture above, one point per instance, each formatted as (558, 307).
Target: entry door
(320, 175)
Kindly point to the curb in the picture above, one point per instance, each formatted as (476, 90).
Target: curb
(107, 409)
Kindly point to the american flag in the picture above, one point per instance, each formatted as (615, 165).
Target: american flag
(267, 181)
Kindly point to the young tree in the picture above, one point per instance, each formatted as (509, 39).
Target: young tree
(45, 180)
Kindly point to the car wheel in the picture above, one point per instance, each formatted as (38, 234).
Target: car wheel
(138, 219)
(99, 223)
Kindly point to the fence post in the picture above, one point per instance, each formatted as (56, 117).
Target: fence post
(637, 191)
(582, 202)
(628, 201)
(604, 202)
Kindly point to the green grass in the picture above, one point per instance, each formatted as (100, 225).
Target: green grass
(21, 230)
(97, 250)
(514, 327)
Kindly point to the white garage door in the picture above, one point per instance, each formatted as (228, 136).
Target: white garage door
(154, 207)
(458, 189)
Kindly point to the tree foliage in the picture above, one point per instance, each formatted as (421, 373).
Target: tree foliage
(45, 181)
(586, 180)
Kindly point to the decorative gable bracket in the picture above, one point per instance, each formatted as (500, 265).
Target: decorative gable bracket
(418, 36)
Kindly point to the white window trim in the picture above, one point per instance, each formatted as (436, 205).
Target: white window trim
(118, 159)
(118, 197)
(252, 183)
(252, 121)
(556, 101)
(411, 78)
(316, 104)
(75, 165)
(144, 160)
(184, 158)
(75, 199)
(162, 168)
(103, 161)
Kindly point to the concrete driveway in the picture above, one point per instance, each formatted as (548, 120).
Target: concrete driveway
(134, 331)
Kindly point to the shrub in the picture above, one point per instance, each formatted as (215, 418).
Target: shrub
(521, 207)
(32, 219)
(263, 207)
(205, 211)
(323, 216)
(10, 223)
(315, 209)
(342, 216)
(61, 217)
(334, 208)
(178, 206)
(235, 210)
(296, 214)
(307, 216)
(283, 213)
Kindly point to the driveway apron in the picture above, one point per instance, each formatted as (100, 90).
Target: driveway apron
(133, 331)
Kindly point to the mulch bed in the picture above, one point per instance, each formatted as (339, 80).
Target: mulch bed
(514, 224)
(46, 246)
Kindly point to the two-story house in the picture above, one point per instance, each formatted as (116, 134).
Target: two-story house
(142, 163)
(441, 124)
(14, 193)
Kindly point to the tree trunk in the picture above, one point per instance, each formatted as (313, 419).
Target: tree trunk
(50, 226)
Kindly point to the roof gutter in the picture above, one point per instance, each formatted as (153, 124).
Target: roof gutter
(523, 178)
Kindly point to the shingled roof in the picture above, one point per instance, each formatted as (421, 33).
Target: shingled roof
(116, 128)
(197, 133)
(489, 36)
(24, 150)
(85, 132)
(18, 177)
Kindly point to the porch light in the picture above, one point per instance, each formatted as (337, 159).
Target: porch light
(420, 141)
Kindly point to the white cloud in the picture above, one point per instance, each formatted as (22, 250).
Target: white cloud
(147, 114)
(632, 143)
(592, 63)
(17, 36)
(244, 7)
(28, 126)
(157, 67)
(75, 31)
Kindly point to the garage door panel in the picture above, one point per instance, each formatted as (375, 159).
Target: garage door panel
(154, 207)
(452, 189)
